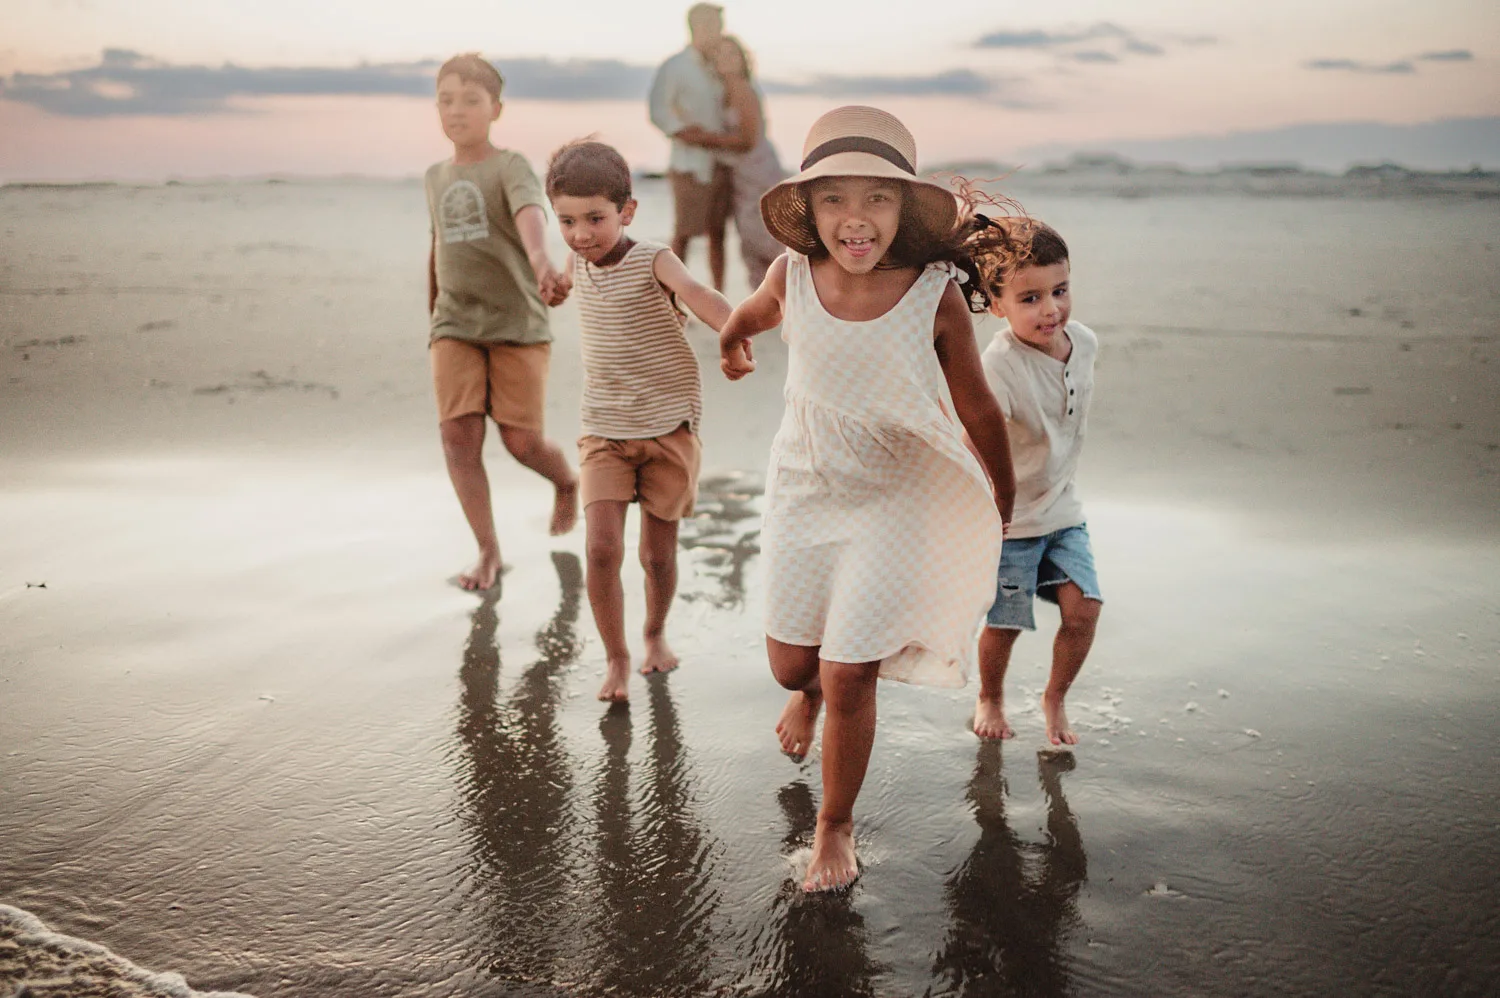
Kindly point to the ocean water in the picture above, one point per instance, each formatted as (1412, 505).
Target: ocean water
(249, 737)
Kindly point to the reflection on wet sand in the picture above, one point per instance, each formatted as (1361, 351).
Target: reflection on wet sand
(1011, 904)
(517, 790)
(632, 918)
(655, 901)
(820, 945)
(723, 535)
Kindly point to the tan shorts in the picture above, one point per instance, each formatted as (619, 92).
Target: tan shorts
(661, 473)
(506, 380)
(702, 208)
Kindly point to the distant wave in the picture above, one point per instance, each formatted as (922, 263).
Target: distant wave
(38, 963)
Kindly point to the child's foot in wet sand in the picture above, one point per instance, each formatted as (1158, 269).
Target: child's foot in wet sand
(565, 508)
(799, 718)
(659, 657)
(484, 574)
(616, 688)
(989, 720)
(833, 865)
(1059, 731)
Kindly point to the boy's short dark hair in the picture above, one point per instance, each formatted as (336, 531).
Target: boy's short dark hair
(1047, 247)
(584, 168)
(471, 67)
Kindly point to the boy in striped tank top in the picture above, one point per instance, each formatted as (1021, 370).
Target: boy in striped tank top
(642, 396)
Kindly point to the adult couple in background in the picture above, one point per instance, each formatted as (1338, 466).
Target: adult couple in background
(706, 101)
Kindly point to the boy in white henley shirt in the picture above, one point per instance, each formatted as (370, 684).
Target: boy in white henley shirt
(1041, 368)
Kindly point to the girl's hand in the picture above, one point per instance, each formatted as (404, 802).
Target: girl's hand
(756, 314)
(736, 361)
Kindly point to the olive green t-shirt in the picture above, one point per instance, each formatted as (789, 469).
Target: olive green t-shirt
(486, 290)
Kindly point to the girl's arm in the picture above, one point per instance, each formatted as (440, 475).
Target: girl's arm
(704, 302)
(761, 311)
(976, 407)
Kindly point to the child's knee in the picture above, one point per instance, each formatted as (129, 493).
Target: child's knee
(848, 686)
(997, 639)
(1082, 615)
(792, 666)
(463, 437)
(789, 676)
(658, 562)
(604, 553)
(523, 445)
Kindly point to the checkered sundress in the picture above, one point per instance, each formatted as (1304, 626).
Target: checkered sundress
(881, 538)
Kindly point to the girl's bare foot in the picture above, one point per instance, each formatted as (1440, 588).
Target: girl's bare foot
(565, 508)
(616, 688)
(484, 573)
(989, 719)
(798, 720)
(659, 656)
(833, 865)
(1059, 731)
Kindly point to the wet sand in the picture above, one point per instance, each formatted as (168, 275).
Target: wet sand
(250, 736)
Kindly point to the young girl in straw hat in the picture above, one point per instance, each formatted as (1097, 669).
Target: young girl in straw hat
(882, 536)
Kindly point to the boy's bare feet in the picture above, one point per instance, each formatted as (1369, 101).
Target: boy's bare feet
(659, 656)
(1059, 731)
(483, 575)
(616, 688)
(565, 508)
(798, 720)
(989, 719)
(833, 864)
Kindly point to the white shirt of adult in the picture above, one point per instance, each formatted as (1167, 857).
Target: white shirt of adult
(686, 91)
(1046, 406)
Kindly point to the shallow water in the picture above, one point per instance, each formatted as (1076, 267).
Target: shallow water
(247, 735)
(265, 792)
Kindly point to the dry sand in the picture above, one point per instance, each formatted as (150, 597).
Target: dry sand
(251, 736)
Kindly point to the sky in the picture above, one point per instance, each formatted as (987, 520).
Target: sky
(151, 89)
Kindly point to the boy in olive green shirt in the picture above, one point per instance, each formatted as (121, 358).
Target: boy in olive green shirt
(489, 284)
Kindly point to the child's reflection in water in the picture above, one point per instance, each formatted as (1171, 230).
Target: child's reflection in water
(1011, 904)
(656, 900)
(517, 787)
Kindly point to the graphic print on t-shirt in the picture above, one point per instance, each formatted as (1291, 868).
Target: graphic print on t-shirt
(462, 213)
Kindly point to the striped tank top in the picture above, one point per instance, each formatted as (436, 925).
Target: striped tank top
(640, 376)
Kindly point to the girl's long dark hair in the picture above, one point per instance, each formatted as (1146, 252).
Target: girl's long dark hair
(987, 245)
(986, 248)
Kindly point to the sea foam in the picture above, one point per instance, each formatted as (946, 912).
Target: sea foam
(36, 962)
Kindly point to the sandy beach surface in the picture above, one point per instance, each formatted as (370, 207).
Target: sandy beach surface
(250, 735)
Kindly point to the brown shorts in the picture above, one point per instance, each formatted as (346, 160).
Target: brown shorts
(506, 380)
(702, 208)
(661, 473)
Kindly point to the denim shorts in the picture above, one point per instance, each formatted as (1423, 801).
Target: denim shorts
(1035, 566)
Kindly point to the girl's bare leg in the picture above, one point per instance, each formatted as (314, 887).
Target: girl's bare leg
(796, 668)
(848, 736)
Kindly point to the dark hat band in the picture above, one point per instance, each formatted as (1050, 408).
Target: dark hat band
(858, 143)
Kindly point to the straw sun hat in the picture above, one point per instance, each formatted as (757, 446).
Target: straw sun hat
(853, 141)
